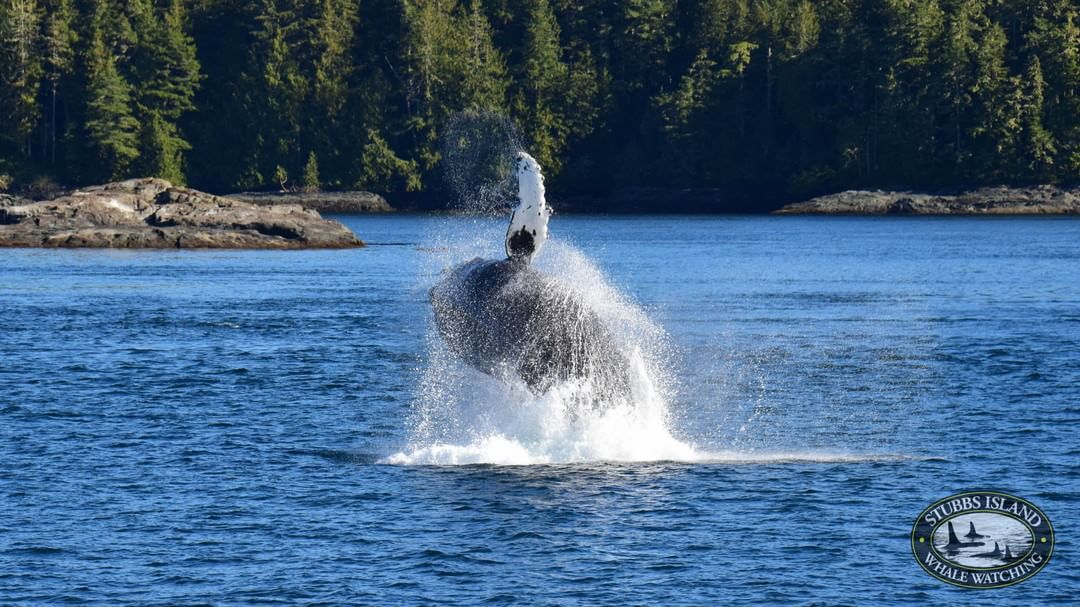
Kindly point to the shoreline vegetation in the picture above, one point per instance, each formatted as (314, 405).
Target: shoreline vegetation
(725, 105)
(151, 213)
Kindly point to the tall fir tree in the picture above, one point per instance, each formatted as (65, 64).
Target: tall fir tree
(326, 120)
(278, 89)
(1055, 37)
(536, 101)
(484, 78)
(61, 38)
(1037, 148)
(112, 132)
(172, 77)
(20, 72)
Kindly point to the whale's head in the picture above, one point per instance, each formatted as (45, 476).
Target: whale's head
(528, 224)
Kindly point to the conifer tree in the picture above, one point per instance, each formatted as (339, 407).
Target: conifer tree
(174, 74)
(311, 174)
(161, 149)
(326, 123)
(484, 78)
(112, 130)
(954, 75)
(1037, 148)
(542, 73)
(1055, 37)
(60, 40)
(20, 71)
(333, 63)
(790, 97)
(997, 100)
(278, 87)
(171, 79)
(382, 170)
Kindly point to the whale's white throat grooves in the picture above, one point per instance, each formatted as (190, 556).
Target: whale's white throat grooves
(531, 213)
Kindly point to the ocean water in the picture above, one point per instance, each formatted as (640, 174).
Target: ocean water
(252, 428)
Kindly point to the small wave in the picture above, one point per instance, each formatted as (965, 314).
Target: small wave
(805, 457)
(35, 550)
(333, 455)
(501, 451)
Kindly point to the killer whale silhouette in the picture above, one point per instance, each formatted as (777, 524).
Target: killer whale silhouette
(1009, 557)
(971, 531)
(993, 554)
(505, 316)
(954, 542)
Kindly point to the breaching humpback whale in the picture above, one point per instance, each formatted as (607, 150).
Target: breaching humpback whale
(505, 316)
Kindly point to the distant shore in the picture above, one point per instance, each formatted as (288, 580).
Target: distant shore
(1002, 200)
(999, 200)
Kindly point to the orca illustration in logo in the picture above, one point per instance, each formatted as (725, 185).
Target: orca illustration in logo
(993, 554)
(954, 542)
(971, 532)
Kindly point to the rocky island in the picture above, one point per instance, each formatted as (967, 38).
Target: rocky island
(1034, 200)
(154, 214)
(323, 202)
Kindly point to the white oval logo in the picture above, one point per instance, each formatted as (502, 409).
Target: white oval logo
(982, 539)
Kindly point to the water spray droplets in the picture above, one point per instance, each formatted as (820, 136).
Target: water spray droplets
(478, 153)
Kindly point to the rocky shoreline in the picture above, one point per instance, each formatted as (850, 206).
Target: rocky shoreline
(154, 214)
(323, 202)
(1034, 200)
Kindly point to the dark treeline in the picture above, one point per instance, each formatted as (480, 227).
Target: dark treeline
(785, 96)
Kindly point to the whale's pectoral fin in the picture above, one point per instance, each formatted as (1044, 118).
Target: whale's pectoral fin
(528, 222)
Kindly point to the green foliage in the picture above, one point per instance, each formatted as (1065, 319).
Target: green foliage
(281, 176)
(111, 128)
(311, 174)
(542, 76)
(60, 40)
(779, 97)
(20, 71)
(1037, 147)
(161, 150)
(383, 171)
(171, 73)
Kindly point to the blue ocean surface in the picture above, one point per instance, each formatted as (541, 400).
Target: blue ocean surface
(261, 427)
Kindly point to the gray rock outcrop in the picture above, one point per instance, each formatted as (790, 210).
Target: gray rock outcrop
(1034, 200)
(152, 213)
(323, 202)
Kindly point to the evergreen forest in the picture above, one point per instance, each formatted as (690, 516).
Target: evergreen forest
(784, 97)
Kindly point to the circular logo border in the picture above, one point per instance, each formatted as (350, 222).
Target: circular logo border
(922, 533)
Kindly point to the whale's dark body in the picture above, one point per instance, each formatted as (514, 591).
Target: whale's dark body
(503, 316)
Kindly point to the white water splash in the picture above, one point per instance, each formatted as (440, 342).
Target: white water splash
(462, 416)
